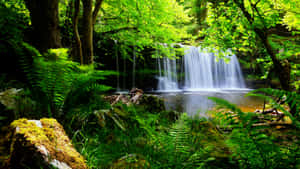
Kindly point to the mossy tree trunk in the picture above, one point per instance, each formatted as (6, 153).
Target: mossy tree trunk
(45, 23)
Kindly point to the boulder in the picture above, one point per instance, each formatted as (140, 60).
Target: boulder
(8, 98)
(41, 144)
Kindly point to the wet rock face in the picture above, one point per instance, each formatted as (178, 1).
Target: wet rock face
(41, 144)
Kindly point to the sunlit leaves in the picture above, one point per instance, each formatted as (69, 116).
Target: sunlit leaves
(227, 29)
(290, 9)
(157, 21)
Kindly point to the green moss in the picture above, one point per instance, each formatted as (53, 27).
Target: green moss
(53, 137)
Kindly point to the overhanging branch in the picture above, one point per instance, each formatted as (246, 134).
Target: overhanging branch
(244, 10)
(119, 30)
(281, 30)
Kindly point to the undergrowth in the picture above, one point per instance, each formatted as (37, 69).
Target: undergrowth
(138, 137)
(143, 139)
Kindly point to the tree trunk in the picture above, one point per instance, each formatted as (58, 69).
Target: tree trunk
(77, 49)
(45, 23)
(67, 27)
(83, 49)
(87, 32)
(283, 71)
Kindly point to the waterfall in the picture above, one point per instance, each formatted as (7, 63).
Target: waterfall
(167, 79)
(117, 65)
(124, 75)
(198, 72)
(134, 67)
(202, 71)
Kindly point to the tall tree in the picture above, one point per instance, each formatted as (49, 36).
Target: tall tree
(77, 48)
(242, 24)
(45, 23)
(84, 44)
(264, 32)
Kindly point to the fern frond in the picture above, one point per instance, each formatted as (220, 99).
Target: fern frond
(180, 136)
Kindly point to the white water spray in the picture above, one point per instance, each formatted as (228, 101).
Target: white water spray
(167, 79)
(202, 71)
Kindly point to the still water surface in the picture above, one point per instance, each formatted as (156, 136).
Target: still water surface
(197, 103)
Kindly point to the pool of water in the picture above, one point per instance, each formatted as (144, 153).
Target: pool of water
(197, 102)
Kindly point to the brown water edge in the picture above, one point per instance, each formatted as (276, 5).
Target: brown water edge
(197, 103)
(251, 104)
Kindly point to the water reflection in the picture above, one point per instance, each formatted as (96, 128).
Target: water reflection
(197, 103)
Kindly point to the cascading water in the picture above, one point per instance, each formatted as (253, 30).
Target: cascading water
(117, 65)
(124, 71)
(202, 71)
(197, 69)
(167, 79)
(133, 69)
(204, 74)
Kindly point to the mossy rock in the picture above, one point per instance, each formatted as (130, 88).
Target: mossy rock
(41, 144)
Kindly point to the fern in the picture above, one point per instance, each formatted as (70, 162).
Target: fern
(249, 144)
(180, 139)
(58, 83)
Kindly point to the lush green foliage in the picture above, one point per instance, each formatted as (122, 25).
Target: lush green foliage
(253, 146)
(143, 23)
(58, 83)
(12, 25)
(147, 136)
(232, 30)
(229, 26)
